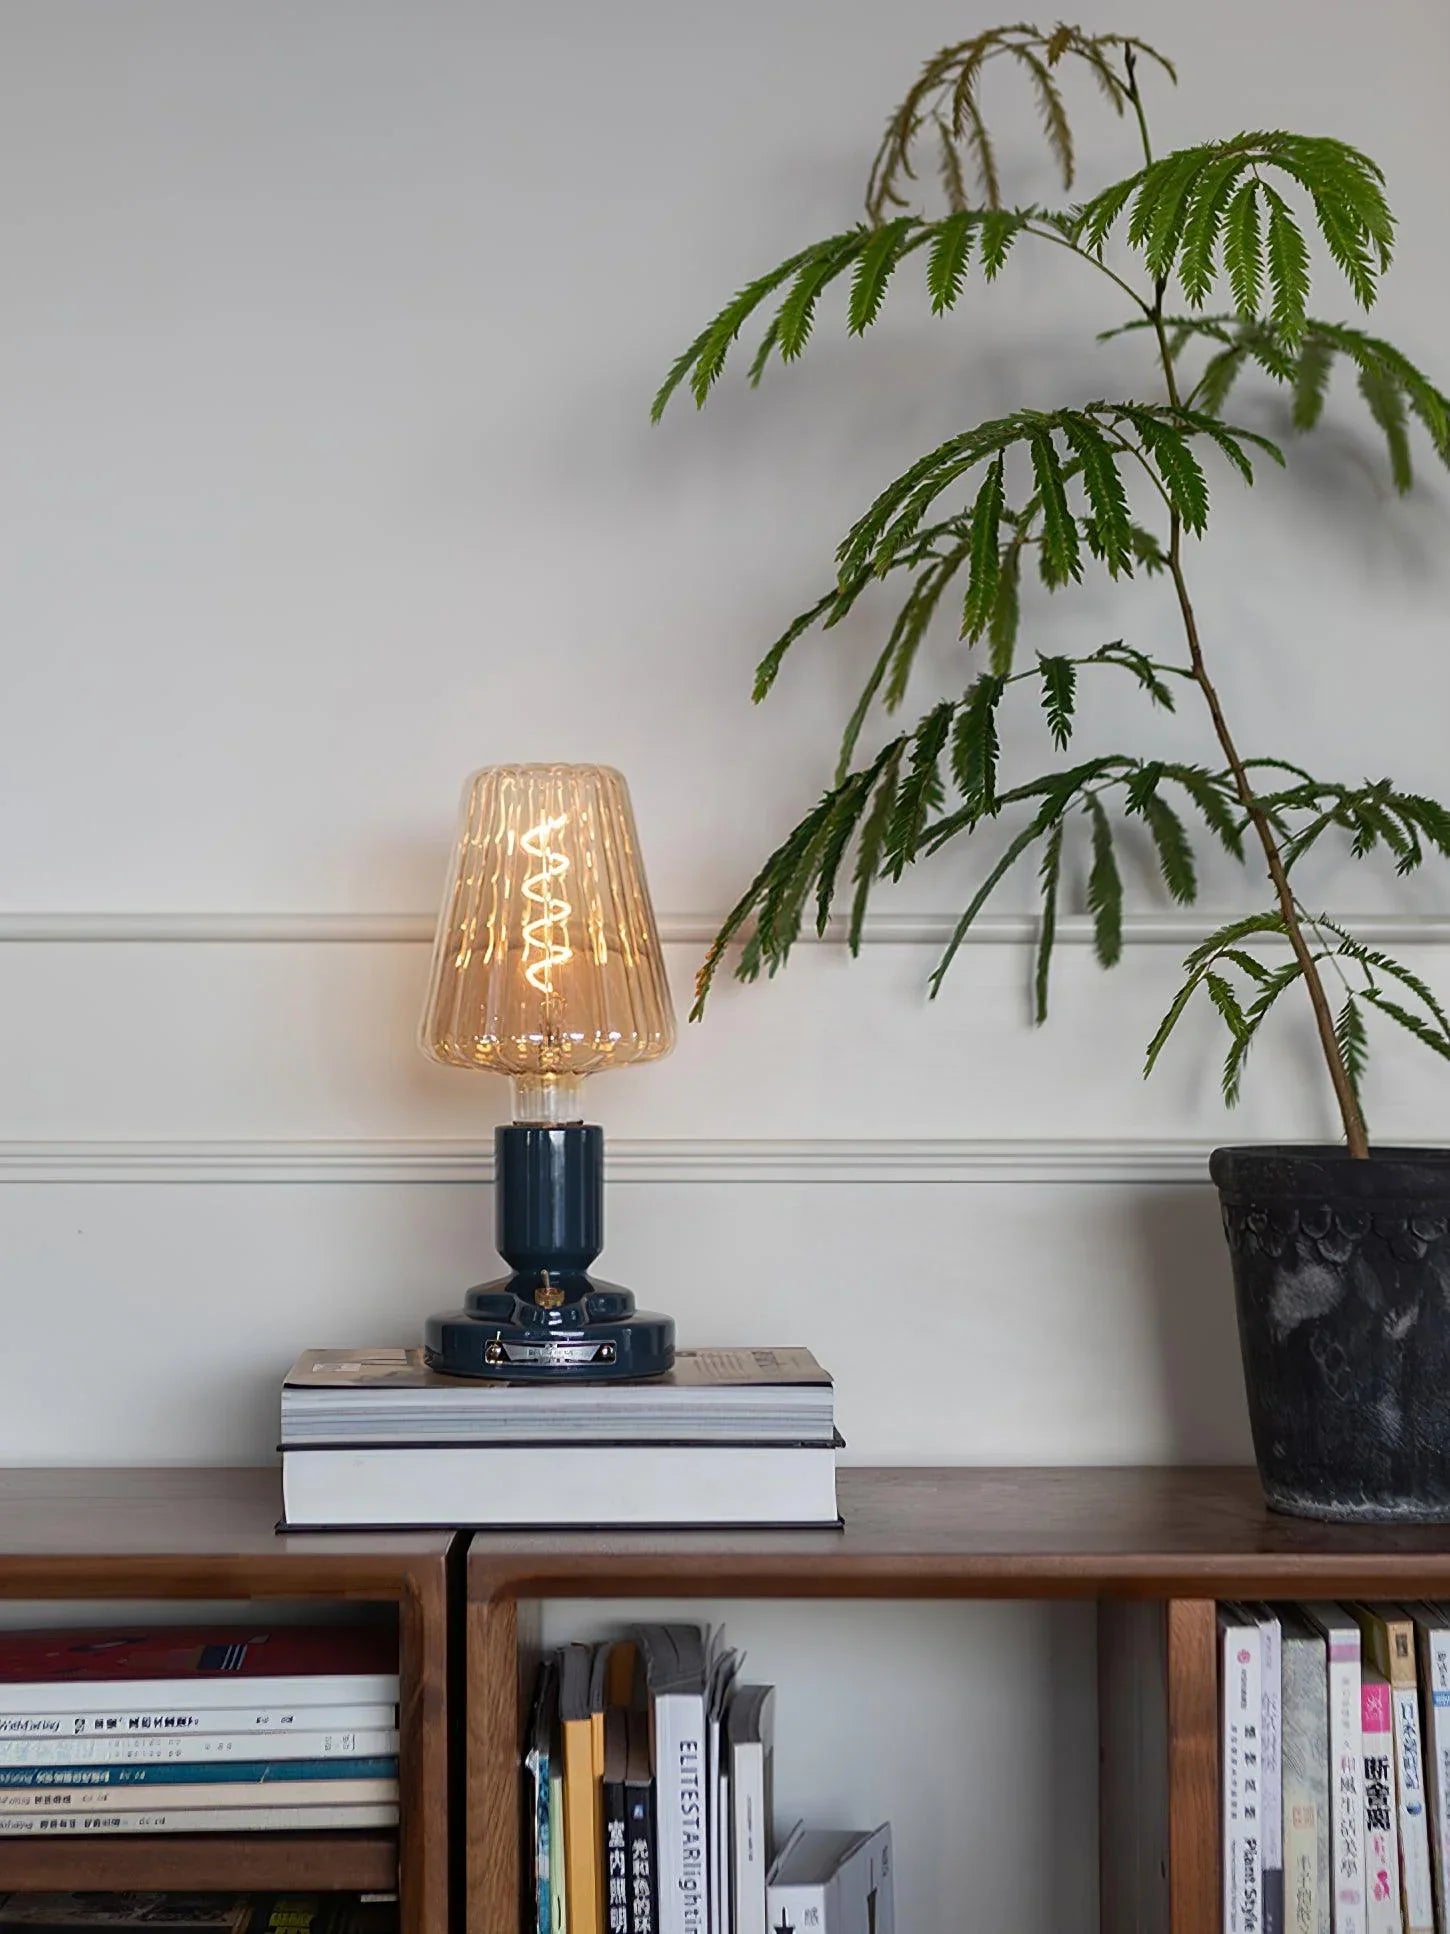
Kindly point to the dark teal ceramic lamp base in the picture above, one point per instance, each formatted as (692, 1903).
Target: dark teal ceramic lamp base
(550, 1322)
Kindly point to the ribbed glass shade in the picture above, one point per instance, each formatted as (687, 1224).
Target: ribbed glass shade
(547, 962)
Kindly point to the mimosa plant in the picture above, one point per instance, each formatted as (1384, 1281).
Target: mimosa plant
(1064, 486)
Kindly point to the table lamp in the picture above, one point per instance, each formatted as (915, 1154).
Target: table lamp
(547, 968)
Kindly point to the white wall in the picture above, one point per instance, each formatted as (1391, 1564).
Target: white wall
(325, 354)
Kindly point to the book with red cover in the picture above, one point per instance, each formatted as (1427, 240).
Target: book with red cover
(216, 1666)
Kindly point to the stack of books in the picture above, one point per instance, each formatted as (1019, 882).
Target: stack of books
(649, 1802)
(374, 1438)
(1335, 1768)
(199, 1913)
(177, 1730)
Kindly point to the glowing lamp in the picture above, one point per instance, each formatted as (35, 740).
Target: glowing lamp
(547, 969)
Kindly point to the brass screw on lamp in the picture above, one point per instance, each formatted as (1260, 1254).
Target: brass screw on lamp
(547, 969)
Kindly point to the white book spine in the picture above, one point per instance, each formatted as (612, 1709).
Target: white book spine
(161, 1749)
(1306, 1784)
(209, 1794)
(1241, 1689)
(1346, 1781)
(1271, 1762)
(1383, 1911)
(216, 1690)
(1437, 1688)
(125, 1721)
(1413, 1801)
(748, 1837)
(225, 1819)
(679, 1736)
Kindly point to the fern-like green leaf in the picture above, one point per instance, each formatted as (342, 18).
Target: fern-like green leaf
(1007, 611)
(1311, 379)
(874, 267)
(768, 669)
(1216, 802)
(1386, 404)
(1104, 889)
(1353, 1042)
(1174, 849)
(1213, 194)
(1147, 673)
(1055, 123)
(946, 265)
(920, 791)
(1270, 986)
(1182, 475)
(798, 310)
(705, 357)
(986, 563)
(1243, 248)
(1288, 266)
(1030, 834)
(1060, 555)
(1049, 875)
(1412, 1023)
(975, 746)
(873, 838)
(1227, 1002)
(1059, 690)
(1000, 229)
(1112, 522)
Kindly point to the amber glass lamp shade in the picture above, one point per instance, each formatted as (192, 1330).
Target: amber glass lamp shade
(547, 962)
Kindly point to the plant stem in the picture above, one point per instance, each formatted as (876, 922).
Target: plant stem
(1356, 1139)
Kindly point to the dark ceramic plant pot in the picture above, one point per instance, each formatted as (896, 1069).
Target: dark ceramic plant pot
(1342, 1278)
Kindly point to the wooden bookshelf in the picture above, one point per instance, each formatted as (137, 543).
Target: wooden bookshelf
(179, 1534)
(1155, 1549)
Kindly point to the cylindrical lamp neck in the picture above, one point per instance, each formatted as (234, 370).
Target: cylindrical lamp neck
(548, 1100)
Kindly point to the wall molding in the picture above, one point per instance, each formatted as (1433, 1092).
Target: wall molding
(820, 1161)
(1178, 930)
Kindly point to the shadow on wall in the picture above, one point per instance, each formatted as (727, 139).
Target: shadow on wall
(1189, 1302)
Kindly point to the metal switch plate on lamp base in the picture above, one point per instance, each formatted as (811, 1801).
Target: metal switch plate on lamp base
(547, 968)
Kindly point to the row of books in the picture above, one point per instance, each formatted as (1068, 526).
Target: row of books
(183, 1730)
(373, 1438)
(649, 1797)
(200, 1913)
(1335, 1768)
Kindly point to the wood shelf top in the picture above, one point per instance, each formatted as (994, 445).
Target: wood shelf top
(970, 1532)
(221, 1863)
(186, 1532)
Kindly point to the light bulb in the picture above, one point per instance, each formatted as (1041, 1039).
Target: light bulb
(547, 964)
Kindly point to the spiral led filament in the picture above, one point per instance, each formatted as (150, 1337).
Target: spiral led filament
(546, 936)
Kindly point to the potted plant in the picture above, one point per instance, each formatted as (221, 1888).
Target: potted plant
(1341, 1253)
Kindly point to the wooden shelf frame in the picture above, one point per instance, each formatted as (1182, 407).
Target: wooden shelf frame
(1154, 1549)
(210, 1534)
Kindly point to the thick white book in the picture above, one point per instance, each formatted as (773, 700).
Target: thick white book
(750, 1758)
(639, 1485)
(1241, 1652)
(209, 1794)
(146, 1721)
(675, 1667)
(837, 1883)
(222, 1819)
(1383, 1909)
(1433, 1630)
(1305, 1756)
(1346, 1765)
(181, 1749)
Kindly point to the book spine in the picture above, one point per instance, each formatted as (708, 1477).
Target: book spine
(1381, 1839)
(1271, 1738)
(214, 1690)
(558, 1864)
(615, 1864)
(640, 1837)
(1437, 1715)
(581, 1827)
(291, 1794)
(148, 1749)
(536, 1767)
(1346, 1767)
(679, 1731)
(141, 1721)
(183, 1773)
(1415, 1882)
(222, 1819)
(747, 1839)
(1306, 1787)
(1241, 1693)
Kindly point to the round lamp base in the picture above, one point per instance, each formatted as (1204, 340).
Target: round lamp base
(499, 1336)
